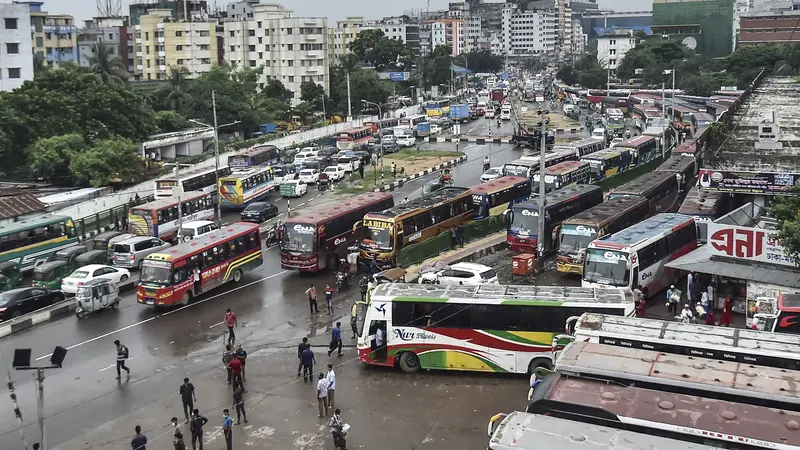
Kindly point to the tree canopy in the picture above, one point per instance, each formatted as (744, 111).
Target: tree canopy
(381, 52)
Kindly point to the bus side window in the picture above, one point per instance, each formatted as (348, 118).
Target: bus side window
(180, 274)
(252, 240)
(208, 258)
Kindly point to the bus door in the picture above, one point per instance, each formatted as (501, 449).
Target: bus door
(378, 338)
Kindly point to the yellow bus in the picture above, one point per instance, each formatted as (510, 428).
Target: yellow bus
(243, 187)
(386, 232)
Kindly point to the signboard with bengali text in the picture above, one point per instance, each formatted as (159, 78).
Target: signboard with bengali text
(747, 243)
(766, 183)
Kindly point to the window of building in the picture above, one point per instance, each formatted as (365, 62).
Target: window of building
(612, 52)
(179, 62)
(39, 41)
(205, 34)
(289, 46)
(252, 63)
(205, 60)
(260, 40)
(251, 48)
(204, 47)
(612, 42)
(233, 48)
(12, 49)
(146, 35)
(148, 63)
(258, 24)
(251, 33)
(320, 77)
(230, 33)
(291, 79)
(13, 72)
(291, 63)
(261, 55)
(288, 31)
(179, 48)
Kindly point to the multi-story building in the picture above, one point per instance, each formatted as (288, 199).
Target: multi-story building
(285, 48)
(16, 52)
(612, 47)
(196, 8)
(241, 10)
(564, 25)
(54, 36)
(579, 38)
(401, 29)
(770, 22)
(532, 33)
(472, 33)
(706, 26)
(346, 31)
(161, 41)
(592, 21)
(111, 32)
(448, 32)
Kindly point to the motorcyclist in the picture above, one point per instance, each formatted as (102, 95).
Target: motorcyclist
(404, 201)
(487, 163)
(344, 266)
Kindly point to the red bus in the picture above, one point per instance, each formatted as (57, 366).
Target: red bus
(353, 138)
(383, 124)
(168, 277)
(317, 238)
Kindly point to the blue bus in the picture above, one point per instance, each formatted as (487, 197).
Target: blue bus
(608, 163)
(496, 196)
(263, 155)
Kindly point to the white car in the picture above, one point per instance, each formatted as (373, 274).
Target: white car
(489, 113)
(465, 273)
(294, 188)
(615, 141)
(435, 129)
(300, 158)
(505, 114)
(348, 163)
(389, 139)
(310, 176)
(492, 174)
(335, 173)
(406, 141)
(196, 228)
(313, 151)
(69, 285)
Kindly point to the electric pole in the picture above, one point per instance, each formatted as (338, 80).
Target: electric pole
(542, 150)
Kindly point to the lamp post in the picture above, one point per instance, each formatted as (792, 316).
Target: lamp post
(542, 150)
(380, 137)
(216, 149)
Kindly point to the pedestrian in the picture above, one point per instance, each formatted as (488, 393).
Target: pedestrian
(686, 314)
(312, 299)
(672, 302)
(460, 235)
(361, 170)
(196, 424)
(380, 342)
(139, 442)
(122, 356)
(329, 297)
(227, 428)
(188, 397)
(336, 339)
(300, 347)
(307, 360)
(238, 403)
(354, 320)
(727, 312)
(453, 236)
(322, 394)
(230, 321)
(177, 436)
(331, 377)
(227, 357)
(710, 317)
(394, 169)
(363, 285)
(338, 430)
(641, 308)
(235, 365)
(241, 355)
(704, 301)
(689, 286)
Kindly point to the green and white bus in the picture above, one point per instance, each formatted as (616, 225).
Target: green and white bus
(487, 328)
(30, 242)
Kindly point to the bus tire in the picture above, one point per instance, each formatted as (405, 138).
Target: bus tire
(409, 362)
(187, 297)
(539, 362)
(237, 276)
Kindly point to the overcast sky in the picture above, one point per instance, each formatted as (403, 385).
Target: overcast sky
(332, 9)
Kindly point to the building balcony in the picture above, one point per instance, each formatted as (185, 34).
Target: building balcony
(312, 54)
(139, 40)
(160, 40)
(162, 54)
(312, 70)
(162, 68)
(139, 54)
(312, 37)
(308, 21)
(60, 29)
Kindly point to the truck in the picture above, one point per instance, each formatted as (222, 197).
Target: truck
(497, 95)
(459, 113)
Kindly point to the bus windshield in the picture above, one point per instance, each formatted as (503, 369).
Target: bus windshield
(156, 272)
(575, 238)
(379, 238)
(525, 220)
(298, 238)
(606, 267)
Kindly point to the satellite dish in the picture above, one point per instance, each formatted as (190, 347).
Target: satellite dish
(690, 42)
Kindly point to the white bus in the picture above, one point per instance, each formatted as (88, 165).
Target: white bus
(736, 345)
(637, 255)
(615, 121)
(202, 180)
(488, 328)
(525, 431)
(411, 122)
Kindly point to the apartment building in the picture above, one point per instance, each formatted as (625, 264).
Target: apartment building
(399, 28)
(612, 47)
(111, 32)
(289, 49)
(16, 52)
(529, 32)
(195, 8)
(564, 24)
(346, 31)
(162, 41)
(768, 22)
(448, 32)
(54, 36)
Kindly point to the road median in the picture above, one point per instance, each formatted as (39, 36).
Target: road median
(474, 249)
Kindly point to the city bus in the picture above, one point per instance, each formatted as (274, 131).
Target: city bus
(522, 219)
(643, 149)
(528, 165)
(598, 221)
(203, 180)
(638, 254)
(317, 238)
(389, 230)
(615, 121)
(661, 189)
(488, 328)
(411, 122)
(562, 175)
(641, 114)
(525, 431)
(353, 138)
(495, 197)
(437, 108)
(583, 147)
(160, 218)
(683, 166)
(383, 124)
(608, 163)
(686, 417)
(691, 147)
(656, 370)
(243, 187)
(262, 155)
(31, 241)
(705, 207)
(168, 277)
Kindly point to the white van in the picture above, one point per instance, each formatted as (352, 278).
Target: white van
(196, 228)
(599, 133)
(300, 158)
(505, 114)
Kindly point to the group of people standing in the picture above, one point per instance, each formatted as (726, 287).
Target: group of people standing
(698, 294)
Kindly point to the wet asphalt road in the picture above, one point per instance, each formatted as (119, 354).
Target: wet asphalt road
(87, 408)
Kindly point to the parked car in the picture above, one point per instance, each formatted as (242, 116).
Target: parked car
(259, 212)
(406, 141)
(335, 173)
(492, 174)
(615, 141)
(293, 188)
(310, 176)
(19, 301)
(313, 151)
(130, 253)
(69, 285)
(196, 228)
(465, 273)
(435, 129)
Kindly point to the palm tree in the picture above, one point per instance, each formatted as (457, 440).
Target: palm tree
(104, 64)
(176, 92)
(303, 110)
(349, 62)
(39, 64)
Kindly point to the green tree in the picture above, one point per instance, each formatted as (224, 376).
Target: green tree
(176, 92)
(303, 110)
(483, 61)
(275, 89)
(170, 121)
(104, 64)
(567, 75)
(701, 85)
(236, 91)
(39, 64)
(786, 209)
(50, 157)
(313, 94)
(107, 161)
(374, 48)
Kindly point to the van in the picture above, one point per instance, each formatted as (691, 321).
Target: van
(505, 114)
(300, 158)
(599, 133)
(130, 253)
(195, 228)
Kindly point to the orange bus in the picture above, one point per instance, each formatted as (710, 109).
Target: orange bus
(354, 138)
(178, 274)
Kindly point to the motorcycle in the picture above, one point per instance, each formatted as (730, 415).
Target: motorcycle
(272, 236)
(486, 166)
(342, 281)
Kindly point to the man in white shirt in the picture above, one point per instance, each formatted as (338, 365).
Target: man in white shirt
(686, 314)
(322, 395)
(331, 377)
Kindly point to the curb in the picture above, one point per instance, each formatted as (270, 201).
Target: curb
(399, 183)
(52, 312)
(478, 140)
(494, 248)
(569, 130)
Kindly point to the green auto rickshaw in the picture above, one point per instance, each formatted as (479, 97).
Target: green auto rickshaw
(10, 275)
(92, 257)
(68, 254)
(102, 240)
(50, 274)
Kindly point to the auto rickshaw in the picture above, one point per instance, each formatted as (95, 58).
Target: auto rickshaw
(92, 257)
(101, 241)
(10, 275)
(96, 295)
(68, 254)
(50, 274)
(393, 275)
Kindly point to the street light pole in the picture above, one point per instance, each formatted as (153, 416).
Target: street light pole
(216, 157)
(22, 361)
(542, 149)
(380, 140)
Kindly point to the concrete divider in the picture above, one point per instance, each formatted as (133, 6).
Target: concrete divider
(399, 183)
(475, 249)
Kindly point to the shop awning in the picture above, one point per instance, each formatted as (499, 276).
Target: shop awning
(701, 261)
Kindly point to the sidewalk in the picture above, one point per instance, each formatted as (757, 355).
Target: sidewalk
(474, 249)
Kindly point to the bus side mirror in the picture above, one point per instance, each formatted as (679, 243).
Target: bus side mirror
(358, 229)
(508, 217)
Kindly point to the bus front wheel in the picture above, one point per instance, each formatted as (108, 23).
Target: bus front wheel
(539, 362)
(409, 362)
(237, 276)
(187, 297)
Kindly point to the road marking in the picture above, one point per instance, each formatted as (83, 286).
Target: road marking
(216, 325)
(114, 365)
(105, 335)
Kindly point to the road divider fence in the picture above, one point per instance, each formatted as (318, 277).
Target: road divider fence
(429, 248)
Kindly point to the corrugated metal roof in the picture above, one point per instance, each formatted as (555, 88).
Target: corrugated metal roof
(702, 261)
(19, 205)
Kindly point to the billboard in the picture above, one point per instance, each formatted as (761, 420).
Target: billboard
(747, 243)
(749, 182)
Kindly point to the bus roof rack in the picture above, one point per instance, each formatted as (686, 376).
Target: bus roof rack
(424, 201)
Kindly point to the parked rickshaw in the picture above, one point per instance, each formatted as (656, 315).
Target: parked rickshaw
(68, 254)
(102, 240)
(92, 257)
(10, 275)
(96, 295)
(50, 274)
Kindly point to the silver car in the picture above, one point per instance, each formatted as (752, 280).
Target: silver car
(131, 252)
